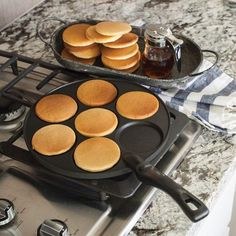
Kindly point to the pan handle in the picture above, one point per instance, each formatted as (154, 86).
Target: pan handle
(39, 34)
(216, 61)
(148, 174)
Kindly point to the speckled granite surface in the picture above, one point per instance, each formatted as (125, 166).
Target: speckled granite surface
(212, 24)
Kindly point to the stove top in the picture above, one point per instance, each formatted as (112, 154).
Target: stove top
(113, 205)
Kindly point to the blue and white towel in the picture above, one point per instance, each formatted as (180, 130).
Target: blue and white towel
(210, 99)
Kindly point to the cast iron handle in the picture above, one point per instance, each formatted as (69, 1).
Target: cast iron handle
(39, 26)
(41, 37)
(150, 175)
(216, 60)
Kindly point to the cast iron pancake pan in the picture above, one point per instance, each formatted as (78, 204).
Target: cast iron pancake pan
(144, 137)
(140, 142)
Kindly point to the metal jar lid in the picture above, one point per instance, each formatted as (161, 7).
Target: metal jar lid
(157, 31)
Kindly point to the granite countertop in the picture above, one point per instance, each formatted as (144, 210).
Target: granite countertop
(212, 160)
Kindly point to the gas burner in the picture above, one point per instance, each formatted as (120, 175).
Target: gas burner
(15, 123)
(12, 113)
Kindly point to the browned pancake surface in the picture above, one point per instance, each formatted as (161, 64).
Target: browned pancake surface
(121, 64)
(68, 56)
(85, 52)
(120, 53)
(96, 92)
(137, 105)
(97, 154)
(75, 35)
(53, 139)
(56, 108)
(93, 35)
(96, 122)
(124, 41)
(132, 69)
(111, 28)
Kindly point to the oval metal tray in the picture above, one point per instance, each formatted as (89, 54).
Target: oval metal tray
(191, 59)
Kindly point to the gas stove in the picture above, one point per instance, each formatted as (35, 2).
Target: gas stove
(34, 201)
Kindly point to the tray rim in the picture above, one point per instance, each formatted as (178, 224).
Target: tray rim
(102, 71)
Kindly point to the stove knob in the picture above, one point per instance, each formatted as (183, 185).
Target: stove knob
(7, 212)
(53, 228)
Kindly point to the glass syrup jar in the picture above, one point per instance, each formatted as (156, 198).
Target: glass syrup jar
(161, 51)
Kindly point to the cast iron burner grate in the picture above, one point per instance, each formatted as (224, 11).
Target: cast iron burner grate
(122, 187)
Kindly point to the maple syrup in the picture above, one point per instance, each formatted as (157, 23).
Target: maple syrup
(157, 62)
(159, 54)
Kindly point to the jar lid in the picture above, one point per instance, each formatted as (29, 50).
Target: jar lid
(158, 34)
(151, 33)
(159, 31)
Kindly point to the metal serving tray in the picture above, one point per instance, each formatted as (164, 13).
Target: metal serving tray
(191, 58)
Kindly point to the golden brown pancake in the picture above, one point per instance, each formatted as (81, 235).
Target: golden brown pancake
(85, 52)
(111, 28)
(56, 108)
(124, 41)
(66, 55)
(96, 92)
(75, 35)
(53, 139)
(96, 122)
(137, 105)
(94, 36)
(121, 64)
(120, 53)
(132, 69)
(97, 154)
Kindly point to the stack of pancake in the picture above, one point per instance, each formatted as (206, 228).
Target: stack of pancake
(77, 46)
(119, 48)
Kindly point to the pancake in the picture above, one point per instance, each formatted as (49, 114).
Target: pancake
(120, 53)
(121, 64)
(137, 105)
(53, 139)
(56, 108)
(75, 35)
(97, 154)
(96, 92)
(111, 28)
(94, 36)
(124, 41)
(85, 52)
(132, 69)
(96, 122)
(66, 55)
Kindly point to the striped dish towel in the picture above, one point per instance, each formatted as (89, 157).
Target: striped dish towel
(210, 99)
